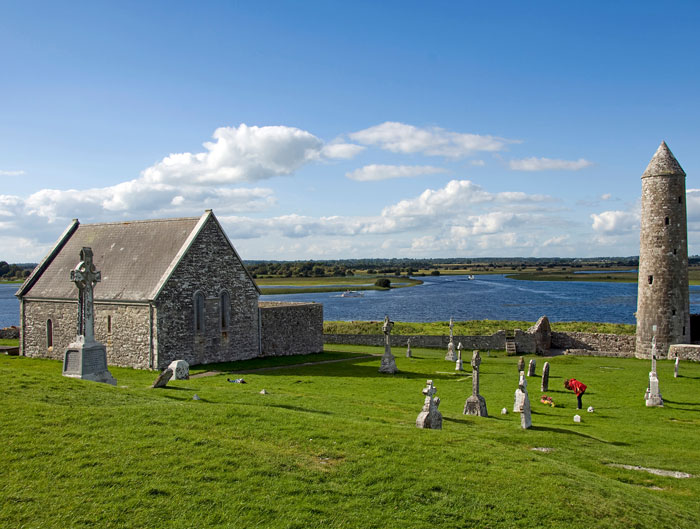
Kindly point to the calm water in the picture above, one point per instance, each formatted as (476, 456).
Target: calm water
(487, 297)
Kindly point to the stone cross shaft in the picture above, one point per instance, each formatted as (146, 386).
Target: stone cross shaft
(476, 362)
(85, 277)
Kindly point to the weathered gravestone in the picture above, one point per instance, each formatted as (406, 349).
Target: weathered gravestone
(451, 346)
(476, 404)
(163, 378)
(531, 368)
(675, 368)
(459, 365)
(522, 403)
(408, 348)
(430, 416)
(86, 358)
(521, 364)
(653, 394)
(388, 361)
(545, 377)
(181, 370)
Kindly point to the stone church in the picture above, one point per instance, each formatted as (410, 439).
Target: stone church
(170, 289)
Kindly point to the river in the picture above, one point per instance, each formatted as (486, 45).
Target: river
(492, 297)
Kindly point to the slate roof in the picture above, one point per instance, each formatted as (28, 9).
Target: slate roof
(135, 258)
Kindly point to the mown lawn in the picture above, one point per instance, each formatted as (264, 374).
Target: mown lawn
(335, 445)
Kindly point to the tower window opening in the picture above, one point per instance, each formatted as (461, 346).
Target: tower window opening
(684, 331)
(666, 221)
(673, 312)
(651, 279)
(675, 251)
(680, 200)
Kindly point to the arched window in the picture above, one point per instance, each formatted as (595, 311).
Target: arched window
(225, 310)
(49, 334)
(199, 312)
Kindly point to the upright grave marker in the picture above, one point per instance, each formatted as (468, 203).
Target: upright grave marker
(531, 368)
(451, 345)
(545, 377)
(653, 395)
(430, 416)
(408, 348)
(476, 404)
(85, 358)
(388, 361)
(522, 403)
(521, 364)
(458, 365)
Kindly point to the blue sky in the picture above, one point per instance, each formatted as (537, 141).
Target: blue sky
(348, 129)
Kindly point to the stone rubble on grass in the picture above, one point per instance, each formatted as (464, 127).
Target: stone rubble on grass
(590, 409)
(476, 403)
(181, 370)
(163, 378)
(545, 377)
(430, 417)
(263, 392)
(522, 403)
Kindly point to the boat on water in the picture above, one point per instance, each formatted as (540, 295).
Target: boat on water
(351, 294)
(470, 277)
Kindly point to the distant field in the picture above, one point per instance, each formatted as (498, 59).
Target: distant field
(334, 284)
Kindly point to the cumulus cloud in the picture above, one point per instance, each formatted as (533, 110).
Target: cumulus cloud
(615, 222)
(11, 173)
(374, 172)
(434, 141)
(605, 196)
(341, 151)
(547, 164)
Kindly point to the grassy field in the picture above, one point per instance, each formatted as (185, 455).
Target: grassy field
(469, 328)
(335, 445)
(303, 285)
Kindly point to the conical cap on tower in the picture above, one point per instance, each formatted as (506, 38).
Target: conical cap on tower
(663, 163)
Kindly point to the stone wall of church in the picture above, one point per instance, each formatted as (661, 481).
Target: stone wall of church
(209, 267)
(291, 328)
(123, 329)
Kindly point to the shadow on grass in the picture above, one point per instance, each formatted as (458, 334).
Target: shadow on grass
(579, 434)
(667, 401)
(297, 408)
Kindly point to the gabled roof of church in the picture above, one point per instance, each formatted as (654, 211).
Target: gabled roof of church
(134, 258)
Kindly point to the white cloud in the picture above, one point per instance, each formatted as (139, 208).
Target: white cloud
(606, 196)
(477, 163)
(434, 141)
(615, 222)
(548, 164)
(11, 173)
(374, 172)
(341, 151)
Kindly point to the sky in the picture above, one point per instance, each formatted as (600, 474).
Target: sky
(330, 130)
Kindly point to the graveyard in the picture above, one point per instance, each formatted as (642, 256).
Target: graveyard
(335, 444)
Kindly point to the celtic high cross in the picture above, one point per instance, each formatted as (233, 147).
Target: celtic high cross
(85, 277)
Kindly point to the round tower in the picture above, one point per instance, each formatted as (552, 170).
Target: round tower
(662, 298)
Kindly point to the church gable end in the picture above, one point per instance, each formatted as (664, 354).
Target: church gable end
(192, 322)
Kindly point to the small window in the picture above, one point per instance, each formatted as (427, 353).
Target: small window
(666, 221)
(680, 200)
(49, 334)
(673, 312)
(109, 324)
(675, 251)
(199, 312)
(683, 331)
(225, 310)
(651, 279)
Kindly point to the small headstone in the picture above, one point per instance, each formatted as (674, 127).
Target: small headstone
(504, 411)
(163, 378)
(408, 348)
(522, 403)
(590, 409)
(521, 364)
(430, 416)
(476, 403)
(388, 364)
(458, 365)
(675, 368)
(450, 356)
(577, 418)
(263, 392)
(181, 370)
(196, 397)
(545, 377)
(531, 368)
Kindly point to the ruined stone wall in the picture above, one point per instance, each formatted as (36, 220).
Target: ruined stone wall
(209, 267)
(9, 333)
(685, 352)
(291, 328)
(594, 342)
(127, 343)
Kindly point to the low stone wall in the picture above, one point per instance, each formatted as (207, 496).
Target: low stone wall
(291, 328)
(9, 333)
(594, 341)
(495, 341)
(591, 352)
(684, 352)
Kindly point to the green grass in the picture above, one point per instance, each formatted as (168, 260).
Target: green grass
(469, 328)
(9, 341)
(335, 445)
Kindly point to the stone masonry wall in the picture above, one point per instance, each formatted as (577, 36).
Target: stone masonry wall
(594, 341)
(127, 343)
(210, 267)
(495, 341)
(291, 328)
(685, 352)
